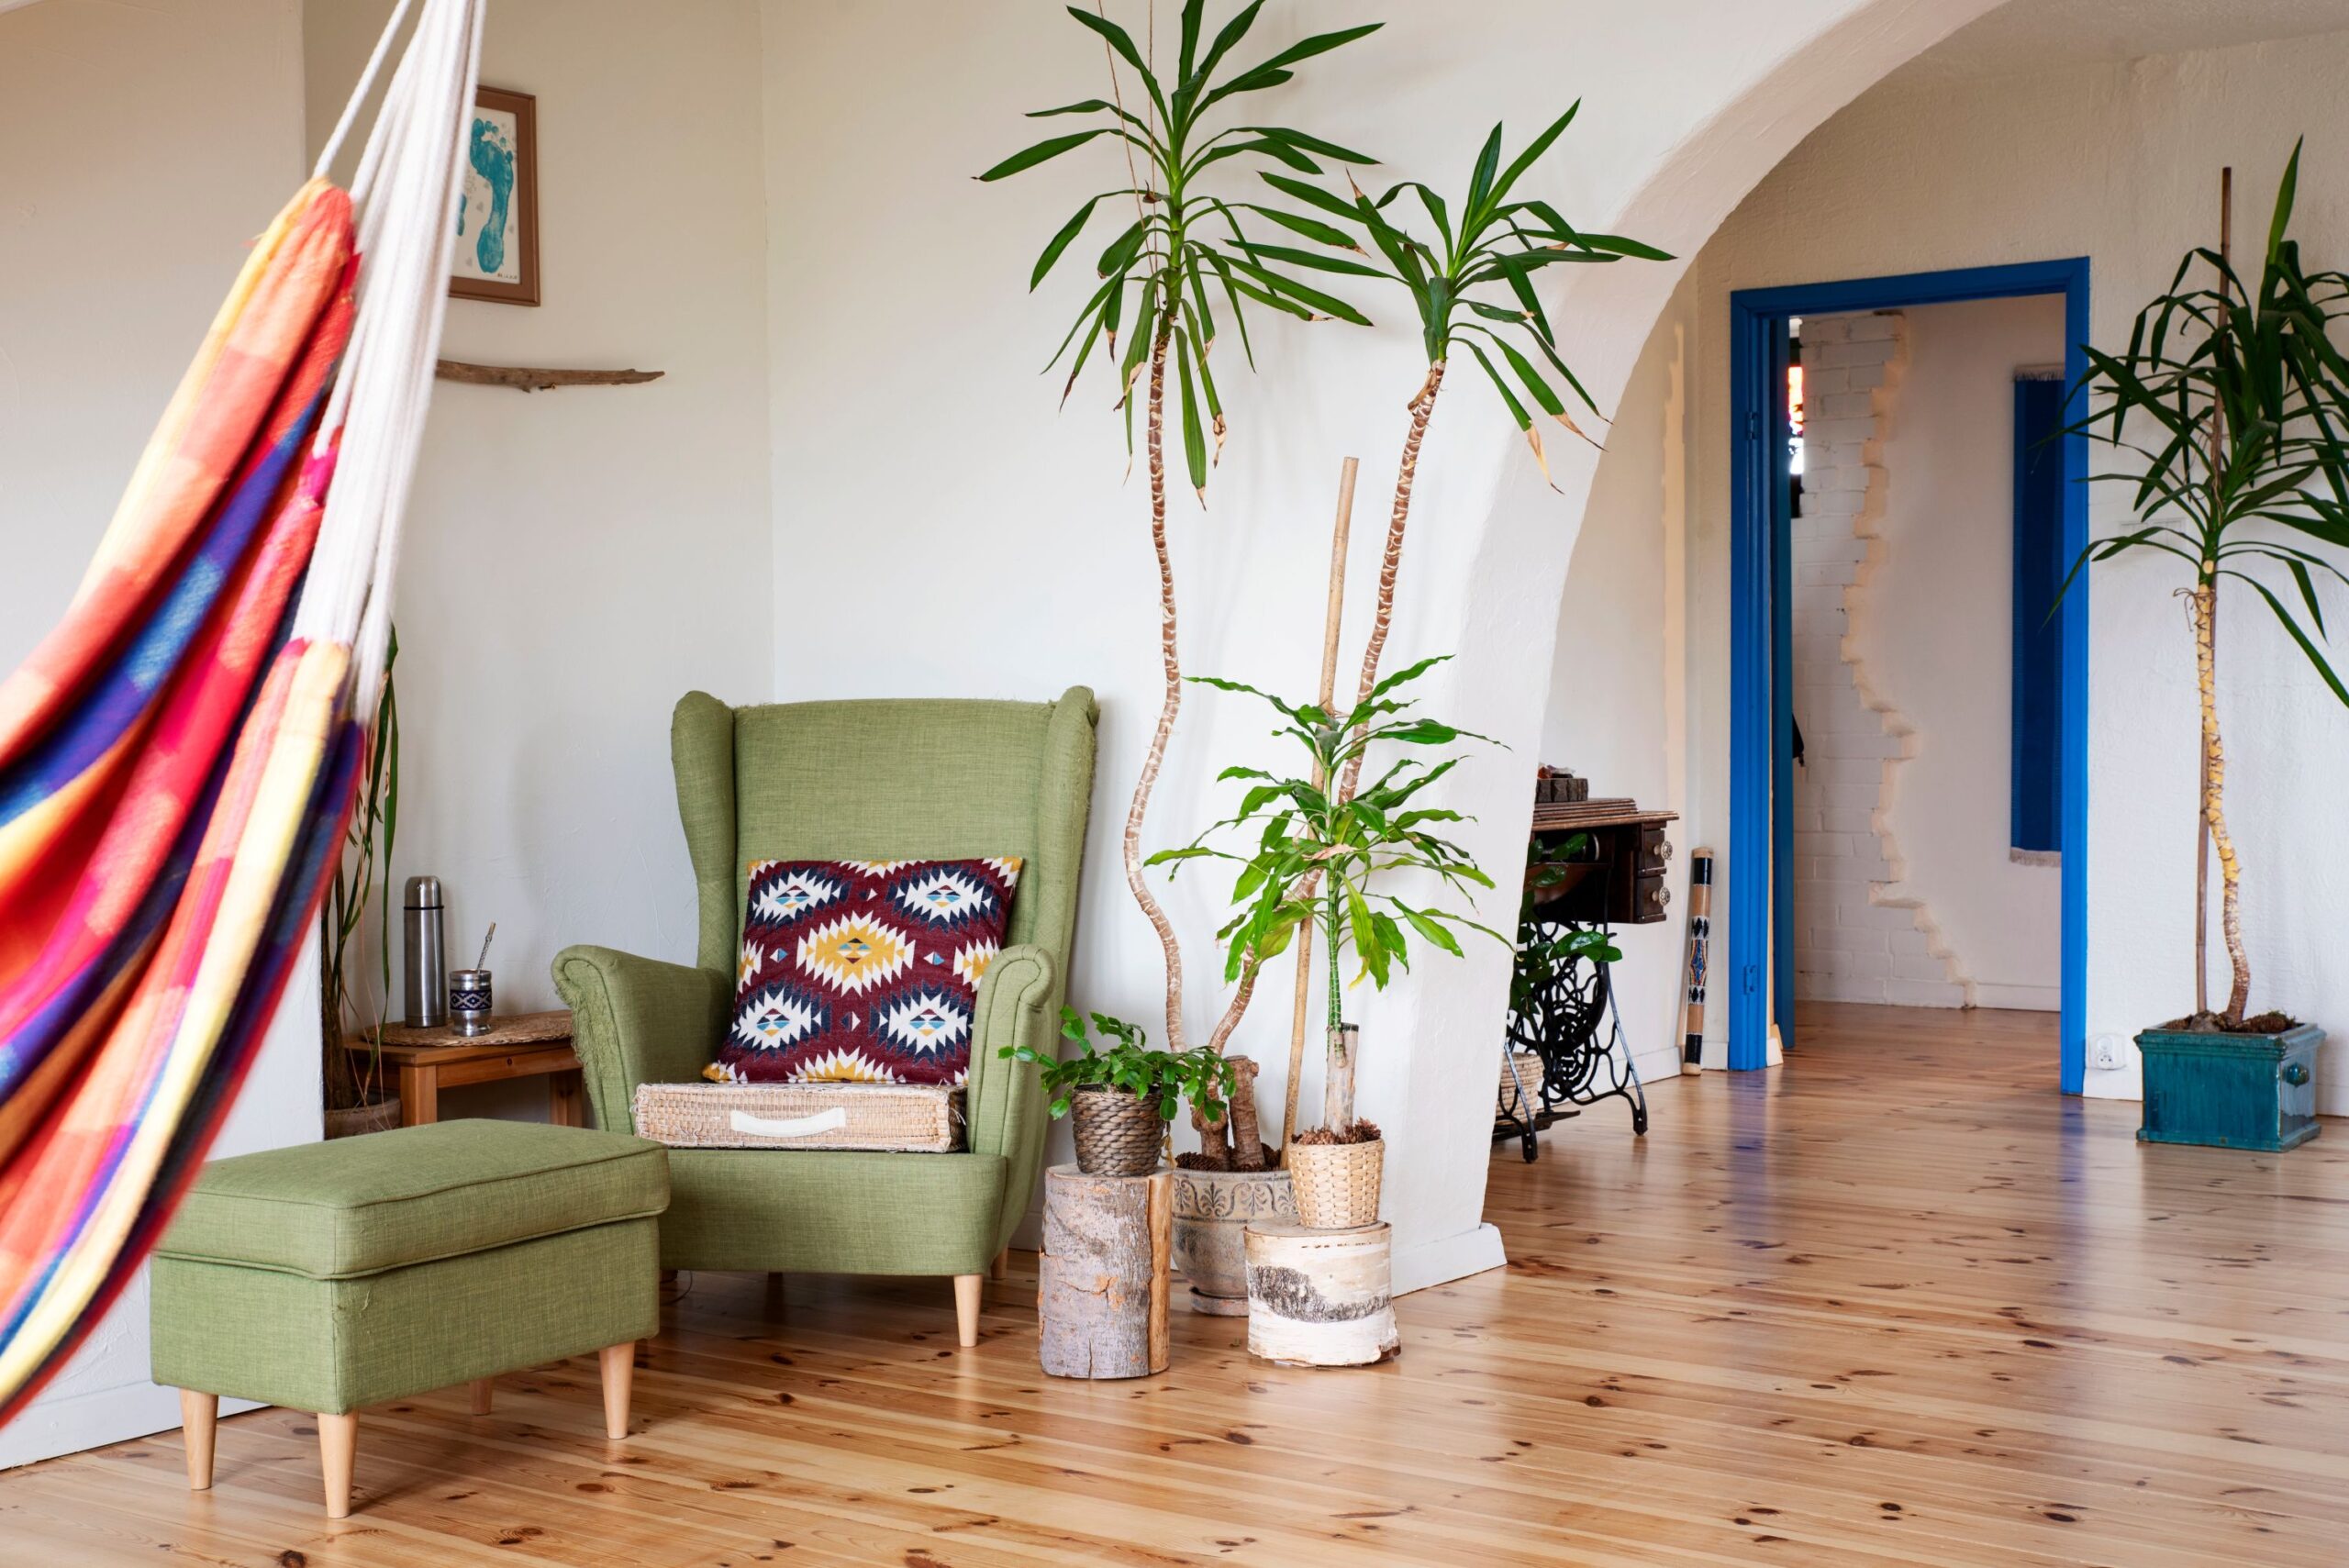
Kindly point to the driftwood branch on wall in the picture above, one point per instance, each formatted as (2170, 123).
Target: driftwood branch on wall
(522, 378)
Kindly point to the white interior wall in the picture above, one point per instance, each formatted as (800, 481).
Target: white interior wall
(1618, 707)
(916, 447)
(2118, 162)
(1939, 637)
(119, 232)
(578, 560)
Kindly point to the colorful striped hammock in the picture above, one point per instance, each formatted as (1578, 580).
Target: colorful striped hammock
(178, 757)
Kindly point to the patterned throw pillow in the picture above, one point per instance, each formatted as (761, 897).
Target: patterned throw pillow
(864, 971)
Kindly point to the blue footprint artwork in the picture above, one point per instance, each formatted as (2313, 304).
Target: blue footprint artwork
(492, 157)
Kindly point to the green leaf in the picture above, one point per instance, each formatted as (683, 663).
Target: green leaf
(1194, 446)
(1313, 259)
(1311, 227)
(1313, 195)
(1049, 147)
(1122, 42)
(1068, 232)
(1534, 150)
(1305, 143)
(1480, 185)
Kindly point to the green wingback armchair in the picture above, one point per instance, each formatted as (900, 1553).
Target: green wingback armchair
(894, 779)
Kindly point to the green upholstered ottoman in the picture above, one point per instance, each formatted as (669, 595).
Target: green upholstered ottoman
(330, 1277)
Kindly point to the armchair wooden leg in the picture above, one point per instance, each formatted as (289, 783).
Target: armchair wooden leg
(1001, 1268)
(483, 1389)
(338, 1451)
(199, 1423)
(620, 1375)
(966, 1308)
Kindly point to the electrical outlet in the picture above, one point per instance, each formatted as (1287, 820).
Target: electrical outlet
(2105, 1051)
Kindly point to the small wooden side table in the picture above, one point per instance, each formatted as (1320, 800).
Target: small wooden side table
(528, 1045)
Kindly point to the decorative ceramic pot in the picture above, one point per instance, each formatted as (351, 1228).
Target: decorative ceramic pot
(1212, 1211)
(1337, 1184)
(2231, 1091)
(381, 1116)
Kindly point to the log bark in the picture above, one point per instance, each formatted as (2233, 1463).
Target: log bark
(1102, 1279)
(1247, 1132)
(1321, 1297)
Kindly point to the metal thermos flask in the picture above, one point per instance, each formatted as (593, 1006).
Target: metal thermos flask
(428, 960)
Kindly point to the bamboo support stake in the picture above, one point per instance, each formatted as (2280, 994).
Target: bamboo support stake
(1331, 621)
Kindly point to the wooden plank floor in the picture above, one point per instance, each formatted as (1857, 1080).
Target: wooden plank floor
(1896, 1302)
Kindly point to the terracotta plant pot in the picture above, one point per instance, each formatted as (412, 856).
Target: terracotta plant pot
(1212, 1211)
(379, 1116)
(1118, 1133)
(1337, 1184)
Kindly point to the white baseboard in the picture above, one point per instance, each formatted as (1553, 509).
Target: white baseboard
(2027, 999)
(54, 1426)
(1441, 1262)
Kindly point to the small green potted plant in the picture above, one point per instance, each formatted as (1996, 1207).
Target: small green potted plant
(2232, 402)
(1327, 858)
(1124, 1096)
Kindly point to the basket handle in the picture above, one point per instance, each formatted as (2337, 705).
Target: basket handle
(799, 1126)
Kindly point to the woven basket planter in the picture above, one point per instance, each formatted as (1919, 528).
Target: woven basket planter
(1337, 1184)
(1118, 1132)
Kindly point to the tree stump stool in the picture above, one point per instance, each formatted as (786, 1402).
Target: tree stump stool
(1321, 1297)
(1102, 1280)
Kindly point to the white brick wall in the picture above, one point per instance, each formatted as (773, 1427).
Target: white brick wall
(1861, 935)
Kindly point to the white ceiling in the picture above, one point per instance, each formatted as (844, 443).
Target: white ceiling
(2034, 34)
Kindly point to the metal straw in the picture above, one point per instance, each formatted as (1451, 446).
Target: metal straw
(482, 962)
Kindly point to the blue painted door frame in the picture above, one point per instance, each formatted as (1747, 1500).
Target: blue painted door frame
(1761, 905)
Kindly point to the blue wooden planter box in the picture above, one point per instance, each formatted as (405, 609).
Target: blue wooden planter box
(2231, 1091)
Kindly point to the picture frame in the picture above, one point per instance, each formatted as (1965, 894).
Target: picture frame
(497, 255)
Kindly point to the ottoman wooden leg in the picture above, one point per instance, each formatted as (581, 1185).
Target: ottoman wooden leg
(199, 1422)
(483, 1390)
(1001, 1268)
(338, 1449)
(966, 1308)
(620, 1375)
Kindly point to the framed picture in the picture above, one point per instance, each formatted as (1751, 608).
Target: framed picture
(497, 218)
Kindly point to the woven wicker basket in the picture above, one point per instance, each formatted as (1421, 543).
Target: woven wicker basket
(905, 1118)
(1529, 1073)
(1337, 1184)
(1118, 1132)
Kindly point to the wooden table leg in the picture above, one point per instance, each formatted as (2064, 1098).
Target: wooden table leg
(567, 1099)
(419, 1096)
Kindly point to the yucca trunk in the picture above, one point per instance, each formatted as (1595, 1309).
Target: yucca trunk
(1170, 702)
(2204, 606)
(1390, 564)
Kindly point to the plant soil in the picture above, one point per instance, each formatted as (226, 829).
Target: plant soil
(2216, 1023)
(1355, 1132)
(1195, 1162)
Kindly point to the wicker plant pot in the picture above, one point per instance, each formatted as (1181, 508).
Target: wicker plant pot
(1118, 1132)
(1337, 1184)
(377, 1116)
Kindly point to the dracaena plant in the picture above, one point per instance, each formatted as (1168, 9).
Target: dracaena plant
(1474, 287)
(1191, 259)
(1310, 855)
(2235, 402)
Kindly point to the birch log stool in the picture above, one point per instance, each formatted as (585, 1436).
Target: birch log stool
(1101, 1281)
(1321, 1297)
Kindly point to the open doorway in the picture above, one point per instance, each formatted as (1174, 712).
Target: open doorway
(1848, 669)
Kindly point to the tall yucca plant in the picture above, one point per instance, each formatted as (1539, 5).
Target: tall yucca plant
(1473, 288)
(2238, 403)
(1188, 247)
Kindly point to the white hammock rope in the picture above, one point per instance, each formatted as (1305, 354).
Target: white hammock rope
(411, 177)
